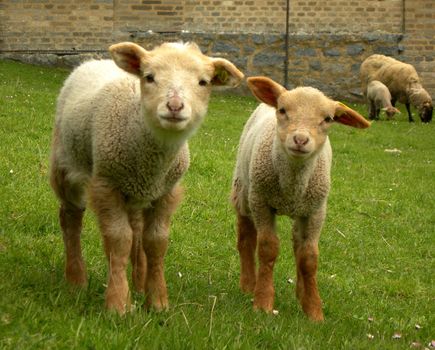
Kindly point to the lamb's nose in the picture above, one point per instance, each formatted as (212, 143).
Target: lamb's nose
(175, 104)
(300, 139)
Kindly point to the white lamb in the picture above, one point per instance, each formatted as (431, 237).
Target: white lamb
(379, 98)
(283, 168)
(121, 132)
(401, 80)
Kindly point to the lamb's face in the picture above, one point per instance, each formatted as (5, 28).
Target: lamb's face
(304, 116)
(175, 86)
(176, 81)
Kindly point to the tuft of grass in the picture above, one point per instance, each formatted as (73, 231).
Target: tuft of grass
(376, 250)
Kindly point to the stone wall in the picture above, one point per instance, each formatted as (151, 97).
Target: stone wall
(328, 39)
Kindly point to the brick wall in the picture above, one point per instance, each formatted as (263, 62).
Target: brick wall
(346, 15)
(328, 39)
(419, 41)
(55, 25)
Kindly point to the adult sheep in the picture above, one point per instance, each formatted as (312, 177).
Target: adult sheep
(283, 168)
(120, 135)
(401, 80)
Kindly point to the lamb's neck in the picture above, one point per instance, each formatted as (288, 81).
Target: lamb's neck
(164, 146)
(292, 173)
(167, 141)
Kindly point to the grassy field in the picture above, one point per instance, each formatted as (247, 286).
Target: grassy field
(377, 266)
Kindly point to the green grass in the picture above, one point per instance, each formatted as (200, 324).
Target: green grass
(376, 249)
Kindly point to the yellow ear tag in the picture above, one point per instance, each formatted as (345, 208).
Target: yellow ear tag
(340, 112)
(222, 76)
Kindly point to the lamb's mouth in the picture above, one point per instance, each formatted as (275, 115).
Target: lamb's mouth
(298, 151)
(173, 119)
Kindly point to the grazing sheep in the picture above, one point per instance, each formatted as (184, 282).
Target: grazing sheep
(283, 168)
(379, 98)
(403, 82)
(121, 131)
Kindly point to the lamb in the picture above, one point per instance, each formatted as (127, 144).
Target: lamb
(283, 168)
(403, 82)
(379, 98)
(120, 136)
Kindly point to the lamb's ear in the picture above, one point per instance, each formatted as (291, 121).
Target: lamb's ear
(128, 56)
(266, 90)
(226, 74)
(345, 115)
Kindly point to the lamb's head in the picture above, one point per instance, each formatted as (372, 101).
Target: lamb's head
(304, 115)
(390, 111)
(176, 81)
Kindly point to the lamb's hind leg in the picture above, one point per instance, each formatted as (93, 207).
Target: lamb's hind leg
(72, 207)
(155, 243)
(246, 245)
(305, 244)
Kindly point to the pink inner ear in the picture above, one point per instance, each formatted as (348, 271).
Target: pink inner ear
(265, 93)
(268, 97)
(133, 62)
(348, 116)
(344, 119)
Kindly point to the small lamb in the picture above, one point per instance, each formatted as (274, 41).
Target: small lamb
(403, 82)
(283, 168)
(379, 98)
(121, 132)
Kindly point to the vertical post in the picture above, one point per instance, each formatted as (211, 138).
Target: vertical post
(403, 17)
(286, 44)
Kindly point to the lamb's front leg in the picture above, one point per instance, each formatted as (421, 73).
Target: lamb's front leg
(137, 255)
(268, 249)
(117, 236)
(306, 232)
(408, 109)
(155, 243)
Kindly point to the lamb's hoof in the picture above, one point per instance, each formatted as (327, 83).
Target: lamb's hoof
(314, 313)
(75, 274)
(316, 316)
(119, 308)
(156, 305)
(247, 287)
(263, 305)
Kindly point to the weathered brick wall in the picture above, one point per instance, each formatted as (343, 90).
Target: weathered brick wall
(235, 16)
(346, 16)
(328, 41)
(419, 41)
(55, 25)
(156, 15)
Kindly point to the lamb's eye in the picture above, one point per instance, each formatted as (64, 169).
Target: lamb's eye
(203, 82)
(329, 119)
(281, 110)
(150, 78)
